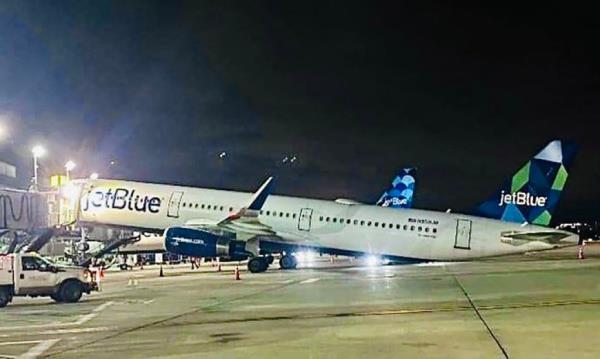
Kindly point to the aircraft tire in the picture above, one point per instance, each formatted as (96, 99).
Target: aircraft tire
(257, 265)
(288, 262)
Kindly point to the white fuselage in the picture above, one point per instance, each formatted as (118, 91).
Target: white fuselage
(416, 234)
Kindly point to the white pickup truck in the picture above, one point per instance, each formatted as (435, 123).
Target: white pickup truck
(29, 274)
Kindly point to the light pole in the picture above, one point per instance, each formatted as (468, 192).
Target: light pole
(69, 166)
(38, 151)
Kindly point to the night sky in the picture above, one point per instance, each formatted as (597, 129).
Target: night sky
(355, 91)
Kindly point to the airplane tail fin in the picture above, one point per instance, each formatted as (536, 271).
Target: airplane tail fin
(531, 194)
(400, 195)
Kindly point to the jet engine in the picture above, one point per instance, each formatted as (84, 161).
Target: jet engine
(202, 243)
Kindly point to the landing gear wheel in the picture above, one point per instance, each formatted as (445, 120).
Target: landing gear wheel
(288, 262)
(257, 265)
(71, 292)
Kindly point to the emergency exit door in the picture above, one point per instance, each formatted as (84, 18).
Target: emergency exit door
(304, 219)
(174, 202)
(463, 234)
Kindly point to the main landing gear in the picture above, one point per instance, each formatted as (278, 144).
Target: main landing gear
(288, 262)
(259, 264)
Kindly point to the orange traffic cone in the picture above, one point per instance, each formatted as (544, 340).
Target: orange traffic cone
(237, 273)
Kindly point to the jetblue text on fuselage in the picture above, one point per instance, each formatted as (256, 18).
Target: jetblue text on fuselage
(522, 199)
(121, 198)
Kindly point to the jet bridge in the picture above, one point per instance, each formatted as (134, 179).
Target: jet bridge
(22, 210)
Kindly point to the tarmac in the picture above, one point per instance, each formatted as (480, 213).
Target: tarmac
(537, 306)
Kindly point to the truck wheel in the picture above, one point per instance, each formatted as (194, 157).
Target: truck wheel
(4, 298)
(71, 292)
(56, 297)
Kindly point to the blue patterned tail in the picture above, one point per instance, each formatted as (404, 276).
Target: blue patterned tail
(400, 195)
(531, 195)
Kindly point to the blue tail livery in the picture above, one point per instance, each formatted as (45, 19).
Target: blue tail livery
(531, 195)
(400, 195)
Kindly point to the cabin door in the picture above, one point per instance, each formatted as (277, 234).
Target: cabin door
(304, 219)
(463, 234)
(174, 203)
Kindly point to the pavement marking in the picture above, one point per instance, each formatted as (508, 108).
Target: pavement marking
(311, 280)
(84, 319)
(20, 342)
(75, 331)
(39, 349)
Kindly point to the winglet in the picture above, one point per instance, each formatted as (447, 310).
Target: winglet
(260, 196)
(256, 202)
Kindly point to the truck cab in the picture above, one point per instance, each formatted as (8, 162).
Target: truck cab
(29, 274)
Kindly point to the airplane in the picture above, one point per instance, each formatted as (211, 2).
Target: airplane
(399, 195)
(203, 222)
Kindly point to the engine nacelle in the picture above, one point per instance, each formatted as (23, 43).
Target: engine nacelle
(199, 243)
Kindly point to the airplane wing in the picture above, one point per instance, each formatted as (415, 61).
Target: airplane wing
(521, 237)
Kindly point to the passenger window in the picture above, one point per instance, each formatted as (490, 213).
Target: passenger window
(280, 214)
(202, 206)
(397, 226)
(434, 230)
(362, 223)
(221, 208)
(412, 228)
(321, 218)
(294, 215)
(348, 221)
(369, 223)
(287, 215)
(426, 229)
(183, 204)
(405, 227)
(334, 220)
(327, 219)
(355, 222)
(420, 228)
(196, 206)
(230, 209)
(376, 224)
(208, 207)
(268, 213)
(261, 211)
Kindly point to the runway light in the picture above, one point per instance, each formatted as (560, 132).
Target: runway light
(38, 151)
